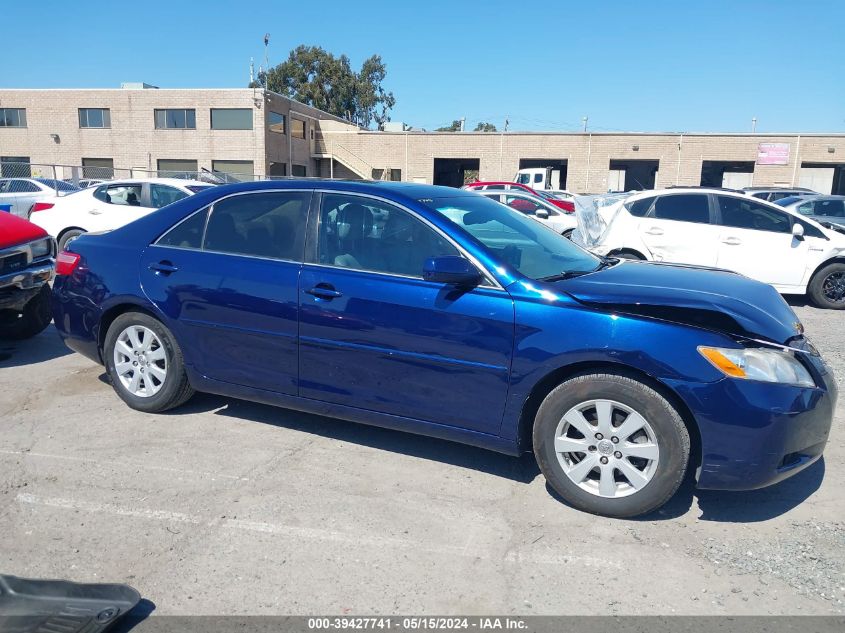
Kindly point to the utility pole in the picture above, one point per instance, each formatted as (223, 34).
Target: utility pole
(753, 124)
(584, 121)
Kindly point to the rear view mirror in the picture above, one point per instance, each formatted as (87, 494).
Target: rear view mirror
(798, 230)
(452, 270)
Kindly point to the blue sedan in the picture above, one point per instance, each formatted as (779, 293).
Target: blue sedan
(441, 312)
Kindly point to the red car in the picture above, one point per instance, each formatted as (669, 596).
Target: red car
(567, 206)
(27, 265)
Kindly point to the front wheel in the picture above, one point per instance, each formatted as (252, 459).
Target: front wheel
(33, 319)
(611, 445)
(827, 288)
(145, 364)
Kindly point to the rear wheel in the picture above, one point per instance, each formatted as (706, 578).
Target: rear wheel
(145, 364)
(67, 236)
(627, 255)
(827, 288)
(33, 319)
(611, 445)
(568, 233)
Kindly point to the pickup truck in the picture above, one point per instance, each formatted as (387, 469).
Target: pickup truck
(27, 265)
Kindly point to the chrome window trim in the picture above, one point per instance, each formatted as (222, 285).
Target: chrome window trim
(494, 283)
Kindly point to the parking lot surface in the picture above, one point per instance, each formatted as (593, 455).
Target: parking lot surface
(229, 507)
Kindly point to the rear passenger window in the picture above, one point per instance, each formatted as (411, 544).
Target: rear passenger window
(259, 224)
(744, 213)
(639, 207)
(186, 234)
(682, 208)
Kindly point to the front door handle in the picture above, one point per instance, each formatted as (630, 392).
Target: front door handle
(163, 268)
(732, 241)
(324, 291)
(655, 231)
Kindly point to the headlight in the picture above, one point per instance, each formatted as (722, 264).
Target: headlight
(41, 248)
(766, 365)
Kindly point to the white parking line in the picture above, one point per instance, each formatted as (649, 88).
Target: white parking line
(124, 463)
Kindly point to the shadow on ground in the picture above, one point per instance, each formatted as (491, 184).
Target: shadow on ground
(141, 612)
(522, 469)
(46, 346)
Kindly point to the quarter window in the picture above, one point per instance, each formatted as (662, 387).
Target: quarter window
(187, 234)
(745, 213)
(94, 117)
(175, 119)
(363, 234)
(12, 117)
(682, 208)
(259, 224)
(639, 207)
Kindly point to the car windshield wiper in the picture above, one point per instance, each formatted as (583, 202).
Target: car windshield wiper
(568, 274)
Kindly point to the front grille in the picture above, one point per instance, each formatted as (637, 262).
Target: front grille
(12, 263)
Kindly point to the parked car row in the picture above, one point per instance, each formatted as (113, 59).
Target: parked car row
(21, 194)
(723, 229)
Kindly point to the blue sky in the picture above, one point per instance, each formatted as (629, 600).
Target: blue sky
(646, 65)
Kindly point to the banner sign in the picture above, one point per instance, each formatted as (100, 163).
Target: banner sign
(773, 154)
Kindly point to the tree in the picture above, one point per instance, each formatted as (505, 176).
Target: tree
(316, 77)
(454, 127)
(485, 127)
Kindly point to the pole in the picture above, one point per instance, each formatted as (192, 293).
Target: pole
(797, 159)
(678, 174)
(584, 121)
(331, 160)
(589, 153)
(753, 124)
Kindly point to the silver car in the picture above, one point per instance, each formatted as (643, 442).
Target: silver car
(773, 194)
(823, 209)
(19, 195)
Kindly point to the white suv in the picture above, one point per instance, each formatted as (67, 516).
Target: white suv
(719, 229)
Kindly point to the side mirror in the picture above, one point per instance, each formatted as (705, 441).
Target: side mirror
(798, 231)
(452, 270)
(542, 214)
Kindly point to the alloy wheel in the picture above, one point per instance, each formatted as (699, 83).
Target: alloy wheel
(140, 361)
(833, 287)
(606, 448)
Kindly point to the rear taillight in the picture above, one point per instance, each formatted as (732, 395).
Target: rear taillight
(42, 206)
(567, 206)
(67, 262)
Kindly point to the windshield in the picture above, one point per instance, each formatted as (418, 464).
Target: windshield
(58, 185)
(529, 246)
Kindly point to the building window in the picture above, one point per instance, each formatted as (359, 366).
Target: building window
(12, 117)
(176, 119)
(276, 122)
(297, 128)
(15, 167)
(231, 118)
(94, 117)
(177, 168)
(278, 169)
(98, 168)
(299, 171)
(233, 170)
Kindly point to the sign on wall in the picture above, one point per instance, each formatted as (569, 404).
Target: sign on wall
(773, 154)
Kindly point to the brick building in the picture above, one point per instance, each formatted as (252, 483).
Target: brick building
(255, 133)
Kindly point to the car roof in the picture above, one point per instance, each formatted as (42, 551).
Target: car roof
(776, 189)
(181, 182)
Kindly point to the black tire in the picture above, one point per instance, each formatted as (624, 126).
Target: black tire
(633, 255)
(33, 319)
(827, 287)
(174, 390)
(669, 430)
(69, 235)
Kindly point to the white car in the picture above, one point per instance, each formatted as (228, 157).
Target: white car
(109, 205)
(536, 207)
(720, 229)
(21, 194)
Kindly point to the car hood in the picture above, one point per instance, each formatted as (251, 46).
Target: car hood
(703, 297)
(15, 230)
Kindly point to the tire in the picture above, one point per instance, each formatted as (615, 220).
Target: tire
(568, 233)
(162, 382)
(67, 236)
(827, 287)
(627, 255)
(33, 319)
(661, 470)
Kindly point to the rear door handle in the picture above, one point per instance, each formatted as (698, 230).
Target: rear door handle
(95, 212)
(732, 241)
(324, 291)
(163, 268)
(655, 231)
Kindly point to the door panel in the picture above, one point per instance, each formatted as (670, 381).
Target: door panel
(678, 229)
(406, 347)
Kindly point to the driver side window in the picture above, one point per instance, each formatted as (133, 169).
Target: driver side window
(365, 234)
